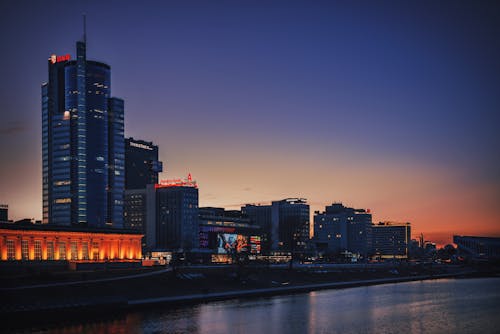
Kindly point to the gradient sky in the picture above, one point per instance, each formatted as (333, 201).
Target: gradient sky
(392, 106)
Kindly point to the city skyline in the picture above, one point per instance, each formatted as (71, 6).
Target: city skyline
(330, 103)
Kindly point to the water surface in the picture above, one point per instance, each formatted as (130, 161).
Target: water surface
(437, 306)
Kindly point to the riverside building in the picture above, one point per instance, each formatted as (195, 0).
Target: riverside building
(47, 242)
(391, 240)
(166, 213)
(284, 223)
(83, 149)
(341, 228)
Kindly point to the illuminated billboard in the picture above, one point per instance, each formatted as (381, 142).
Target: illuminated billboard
(255, 244)
(228, 243)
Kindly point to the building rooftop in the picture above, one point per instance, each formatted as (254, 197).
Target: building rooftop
(62, 228)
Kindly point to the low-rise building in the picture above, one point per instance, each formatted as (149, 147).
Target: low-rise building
(44, 242)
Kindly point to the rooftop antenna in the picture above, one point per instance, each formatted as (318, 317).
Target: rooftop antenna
(84, 28)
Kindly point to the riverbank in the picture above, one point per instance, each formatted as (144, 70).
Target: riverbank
(90, 298)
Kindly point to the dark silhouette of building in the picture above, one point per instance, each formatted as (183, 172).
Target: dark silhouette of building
(177, 218)
(478, 247)
(4, 213)
(141, 163)
(341, 228)
(167, 214)
(82, 144)
(285, 222)
(261, 215)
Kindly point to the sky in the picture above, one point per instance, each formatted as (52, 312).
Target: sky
(390, 106)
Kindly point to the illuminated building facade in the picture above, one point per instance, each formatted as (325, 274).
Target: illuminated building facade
(83, 149)
(67, 243)
(340, 228)
(141, 164)
(391, 240)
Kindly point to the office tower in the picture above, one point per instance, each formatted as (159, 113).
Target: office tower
(177, 224)
(340, 228)
(261, 215)
(82, 144)
(141, 164)
(285, 222)
(293, 223)
(167, 214)
(390, 240)
(4, 212)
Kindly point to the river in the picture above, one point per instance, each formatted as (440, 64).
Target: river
(434, 306)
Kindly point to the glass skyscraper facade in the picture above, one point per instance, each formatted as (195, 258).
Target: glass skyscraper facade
(83, 144)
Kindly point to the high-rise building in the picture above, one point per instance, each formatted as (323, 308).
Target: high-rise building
(340, 228)
(261, 215)
(141, 164)
(177, 224)
(391, 240)
(167, 214)
(82, 144)
(4, 212)
(285, 223)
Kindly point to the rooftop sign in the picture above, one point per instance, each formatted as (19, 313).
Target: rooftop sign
(56, 59)
(140, 145)
(177, 183)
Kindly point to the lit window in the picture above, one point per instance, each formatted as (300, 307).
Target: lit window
(62, 251)
(24, 250)
(11, 250)
(38, 250)
(50, 250)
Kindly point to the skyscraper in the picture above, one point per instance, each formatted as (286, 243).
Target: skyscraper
(83, 148)
(141, 163)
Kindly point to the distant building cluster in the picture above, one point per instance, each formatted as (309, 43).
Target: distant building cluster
(103, 199)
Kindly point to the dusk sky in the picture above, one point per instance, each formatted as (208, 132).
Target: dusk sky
(388, 105)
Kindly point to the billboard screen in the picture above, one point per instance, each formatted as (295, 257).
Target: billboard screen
(230, 243)
(255, 244)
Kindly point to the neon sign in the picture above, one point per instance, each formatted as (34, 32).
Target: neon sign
(56, 59)
(177, 183)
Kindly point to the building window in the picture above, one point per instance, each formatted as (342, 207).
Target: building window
(11, 250)
(25, 252)
(62, 251)
(38, 250)
(74, 250)
(85, 251)
(50, 250)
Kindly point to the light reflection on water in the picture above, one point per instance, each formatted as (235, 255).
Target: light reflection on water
(441, 306)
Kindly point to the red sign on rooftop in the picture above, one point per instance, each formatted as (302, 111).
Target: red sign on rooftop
(187, 182)
(56, 59)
